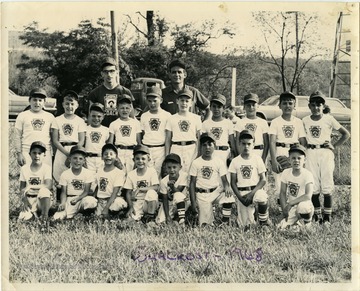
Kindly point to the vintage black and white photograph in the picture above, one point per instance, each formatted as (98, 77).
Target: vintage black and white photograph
(183, 145)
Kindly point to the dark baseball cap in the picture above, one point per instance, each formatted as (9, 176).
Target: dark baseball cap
(185, 92)
(108, 62)
(246, 134)
(154, 91)
(207, 136)
(141, 149)
(177, 63)
(298, 148)
(38, 144)
(287, 95)
(125, 97)
(317, 95)
(173, 158)
(71, 93)
(77, 150)
(251, 97)
(97, 107)
(109, 146)
(218, 98)
(38, 92)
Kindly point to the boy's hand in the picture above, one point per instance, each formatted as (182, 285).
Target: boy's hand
(286, 210)
(276, 167)
(194, 209)
(74, 201)
(61, 206)
(105, 213)
(329, 145)
(26, 204)
(169, 220)
(228, 191)
(249, 198)
(118, 164)
(130, 211)
(67, 162)
(20, 159)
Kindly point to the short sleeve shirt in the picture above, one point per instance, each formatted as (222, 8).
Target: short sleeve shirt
(184, 128)
(153, 126)
(181, 181)
(95, 138)
(220, 129)
(76, 183)
(69, 129)
(287, 132)
(125, 131)
(258, 126)
(296, 184)
(107, 181)
(134, 181)
(35, 178)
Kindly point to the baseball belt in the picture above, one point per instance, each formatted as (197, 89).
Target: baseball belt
(199, 190)
(70, 195)
(285, 145)
(90, 155)
(122, 147)
(222, 148)
(315, 146)
(154, 146)
(70, 143)
(246, 188)
(31, 196)
(183, 143)
(259, 147)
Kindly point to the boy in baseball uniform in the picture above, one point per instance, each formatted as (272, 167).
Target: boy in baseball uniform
(183, 130)
(75, 186)
(36, 185)
(173, 189)
(297, 186)
(248, 178)
(125, 133)
(68, 130)
(320, 153)
(205, 187)
(153, 124)
(33, 125)
(109, 180)
(255, 124)
(141, 187)
(229, 113)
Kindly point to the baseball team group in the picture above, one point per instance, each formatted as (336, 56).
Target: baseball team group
(172, 162)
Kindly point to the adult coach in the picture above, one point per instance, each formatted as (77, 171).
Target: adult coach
(108, 93)
(177, 72)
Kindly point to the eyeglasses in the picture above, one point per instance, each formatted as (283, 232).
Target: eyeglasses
(111, 72)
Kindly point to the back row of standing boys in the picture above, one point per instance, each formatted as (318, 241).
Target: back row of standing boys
(128, 155)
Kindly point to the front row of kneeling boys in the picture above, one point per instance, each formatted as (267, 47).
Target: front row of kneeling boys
(208, 184)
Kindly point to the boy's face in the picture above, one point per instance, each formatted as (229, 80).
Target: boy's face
(70, 105)
(37, 155)
(109, 74)
(250, 108)
(177, 75)
(96, 117)
(217, 109)
(36, 104)
(77, 160)
(246, 145)
(297, 160)
(153, 102)
(173, 169)
(124, 110)
(228, 113)
(109, 156)
(207, 148)
(184, 103)
(141, 160)
(287, 105)
(316, 107)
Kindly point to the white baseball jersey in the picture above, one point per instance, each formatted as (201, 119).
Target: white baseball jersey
(95, 138)
(247, 170)
(35, 126)
(207, 173)
(35, 178)
(153, 126)
(296, 184)
(69, 129)
(184, 128)
(258, 126)
(76, 183)
(317, 132)
(125, 131)
(134, 181)
(107, 181)
(235, 121)
(287, 132)
(220, 129)
(181, 181)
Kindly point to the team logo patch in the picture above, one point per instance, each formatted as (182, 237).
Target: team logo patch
(251, 126)
(142, 184)
(154, 124)
(184, 125)
(206, 172)
(110, 104)
(67, 129)
(95, 136)
(34, 181)
(293, 189)
(77, 184)
(37, 124)
(125, 130)
(288, 131)
(103, 183)
(217, 132)
(246, 171)
(315, 131)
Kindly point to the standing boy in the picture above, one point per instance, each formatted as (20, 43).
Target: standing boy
(247, 181)
(33, 125)
(141, 187)
(153, 124)
(125, 133)
(229, 113)
(296, 190)
(75, 186)
(205, 188)
(257, 125)
(183, 130)
(320, 154)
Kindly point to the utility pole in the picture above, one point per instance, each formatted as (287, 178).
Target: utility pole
(114, 42)
(297, 52)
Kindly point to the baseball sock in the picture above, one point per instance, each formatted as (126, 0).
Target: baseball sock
(58, 193)
(316, 202)
(226, 211)
(327, 207)
(181, 209)
(306, 217)
(263, 213)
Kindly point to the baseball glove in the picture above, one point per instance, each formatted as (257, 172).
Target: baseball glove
(284, 162)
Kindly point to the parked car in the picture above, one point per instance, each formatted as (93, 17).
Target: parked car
(269, 109)
(19, 103)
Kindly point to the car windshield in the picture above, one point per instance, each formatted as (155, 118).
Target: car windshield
(136, 85)
(303, 102)
(274, 100)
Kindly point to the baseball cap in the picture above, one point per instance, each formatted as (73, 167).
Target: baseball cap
(316, 96)
(141, 149)
(77, 150)
(38, 92)
(173, 158)
(71, 93)
(97, 107)
(207, 136)
(154, 91)
(298, 148)
(246, 134)
(218, 98)
(125, 97)
(185, 92)
(38, 144)
(286, 95)
(251, 97)
(109, 146)
(108, 62)
(177, 63)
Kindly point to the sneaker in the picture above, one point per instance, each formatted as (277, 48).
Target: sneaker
(44, 225)
(182, 221)
(318, 219)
